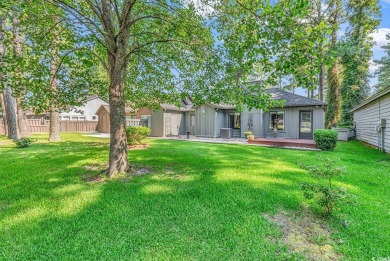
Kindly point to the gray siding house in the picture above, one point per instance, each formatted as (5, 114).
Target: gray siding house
(372, 118)
(297, 119)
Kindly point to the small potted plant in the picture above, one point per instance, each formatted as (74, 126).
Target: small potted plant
(250, 137)
(248, 133)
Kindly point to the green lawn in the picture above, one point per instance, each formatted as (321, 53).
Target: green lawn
(202, 201)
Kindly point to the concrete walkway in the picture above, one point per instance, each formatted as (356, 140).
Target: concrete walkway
(239, 141)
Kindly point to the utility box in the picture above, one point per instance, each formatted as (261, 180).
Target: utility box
(226, 133)
(383, 123)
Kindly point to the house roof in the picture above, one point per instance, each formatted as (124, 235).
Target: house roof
(222, 106)
(372, 98)
(293, 100)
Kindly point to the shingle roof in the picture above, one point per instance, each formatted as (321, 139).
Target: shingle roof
(293, 100)
(372, 98)
(222, 106)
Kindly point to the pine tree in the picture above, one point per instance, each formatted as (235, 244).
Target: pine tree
(383, 71)
(363, 18)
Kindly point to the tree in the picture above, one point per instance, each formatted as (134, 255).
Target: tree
(332, 116)
(56, 73)
(383, 71)
(8, 99)
(144, 34)
(363, 17)
(17, 42)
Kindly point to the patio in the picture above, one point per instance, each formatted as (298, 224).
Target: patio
(300, 143)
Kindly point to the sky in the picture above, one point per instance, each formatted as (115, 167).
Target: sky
(380, 35)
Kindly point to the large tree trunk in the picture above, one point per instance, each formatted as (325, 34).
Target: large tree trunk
(23, 132)
(332, 116)
(333, 111)
(2, 100)
(10, 106)
(118, 162)
(54, 130)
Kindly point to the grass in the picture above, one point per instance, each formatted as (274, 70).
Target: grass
(202, 201)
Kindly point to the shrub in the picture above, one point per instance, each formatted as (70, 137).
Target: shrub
(135, 135)
(23, 142)
(250, 137)
(326, 139)
(324, 193)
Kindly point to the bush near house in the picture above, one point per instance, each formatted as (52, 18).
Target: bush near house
(325, 139)
(135, 135)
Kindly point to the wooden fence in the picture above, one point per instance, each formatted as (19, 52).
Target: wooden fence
(40, 125)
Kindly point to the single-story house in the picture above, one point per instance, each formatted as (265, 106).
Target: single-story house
(297, 119)
(85, 112)
(372, 118)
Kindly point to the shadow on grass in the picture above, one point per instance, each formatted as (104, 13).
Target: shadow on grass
(201, 201)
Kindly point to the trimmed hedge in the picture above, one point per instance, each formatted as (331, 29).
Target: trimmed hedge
(326, 139)
(135, 135)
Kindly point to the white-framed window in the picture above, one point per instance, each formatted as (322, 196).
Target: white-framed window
(192, 120)
(276, 120)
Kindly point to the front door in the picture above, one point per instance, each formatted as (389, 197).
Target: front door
(306, 125)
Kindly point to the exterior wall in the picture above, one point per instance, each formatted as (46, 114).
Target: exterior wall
(187, 121)
(368, 117)
(85, 112)
(143, 111)
(291, 121)
(257, 116)
(205, 121)
(157, 123)
(220, 122)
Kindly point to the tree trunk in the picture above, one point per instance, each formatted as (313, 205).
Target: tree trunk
(118, 162)
(321, 83)
(10, 106)
(23, 132)
(332, 116)
(2, 100)
(54, 129)
(333, 111)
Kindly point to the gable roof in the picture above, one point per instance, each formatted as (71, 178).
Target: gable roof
(293, 100)
(372, 98)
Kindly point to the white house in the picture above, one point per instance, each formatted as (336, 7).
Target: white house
(86, 112)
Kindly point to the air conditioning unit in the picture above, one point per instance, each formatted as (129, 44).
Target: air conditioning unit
(226, 133)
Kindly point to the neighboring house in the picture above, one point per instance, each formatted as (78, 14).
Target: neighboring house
(86, 112)
(298, 119)
(372, 120)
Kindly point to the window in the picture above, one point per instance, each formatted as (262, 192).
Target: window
(192, 120)
(235, 121)
(276, 120)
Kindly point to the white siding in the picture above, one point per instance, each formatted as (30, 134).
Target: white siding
(85, 112)
(368, 117)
